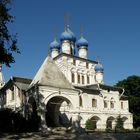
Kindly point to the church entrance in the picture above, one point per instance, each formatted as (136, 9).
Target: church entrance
(109, 122)
(95, 122)
(57, 112)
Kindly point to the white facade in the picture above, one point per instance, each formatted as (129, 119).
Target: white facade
(69, 90)
(79, 72)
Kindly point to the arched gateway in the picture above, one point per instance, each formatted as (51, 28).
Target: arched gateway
(57, 112)
(56, 97)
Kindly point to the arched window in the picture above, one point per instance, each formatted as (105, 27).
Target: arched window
(74, 62)
(112, 103)
(88, 79)
(94, 103)
(12, 93)
(80, 101)
(122, 105)
(72, 77)
(87, 65)
(78, 76)
(83, 82)
(105, 102)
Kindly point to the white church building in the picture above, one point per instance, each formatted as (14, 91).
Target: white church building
(67, 89)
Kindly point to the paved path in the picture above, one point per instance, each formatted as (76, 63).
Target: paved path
(70, 136)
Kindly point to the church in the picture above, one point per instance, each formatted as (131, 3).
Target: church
(67, 90)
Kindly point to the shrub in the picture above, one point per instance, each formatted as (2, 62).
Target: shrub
(108, 130)
(90, 125)
(119, 124)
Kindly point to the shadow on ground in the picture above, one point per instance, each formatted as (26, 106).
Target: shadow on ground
(70, 136)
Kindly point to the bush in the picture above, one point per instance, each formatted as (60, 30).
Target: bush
(108, 130)
(138, 129)
(119, 124)
(90, 125)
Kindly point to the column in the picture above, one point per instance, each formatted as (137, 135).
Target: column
(42, 114)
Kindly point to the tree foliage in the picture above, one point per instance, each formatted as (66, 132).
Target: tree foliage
(132, 90)
(90, 125)
(8, 41)
(119, 124)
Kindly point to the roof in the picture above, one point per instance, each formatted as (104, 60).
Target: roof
(76, 57)
(105, 87)
(55, 45)
(123, 97)
(82, 42)
(20, 82)
(50, 75)
(88, 90)
(66, 36)
(99, 68)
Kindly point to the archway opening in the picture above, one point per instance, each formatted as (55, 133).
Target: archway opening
(109, 122)
(95, 122)
(57, 112)
(125, 122)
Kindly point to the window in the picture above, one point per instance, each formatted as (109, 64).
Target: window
(83, 82)
(74, 62)
(80, 101)
(105, 102)
(72, 77)
(87, 79)
(112, 103)
(94, 103)
(121, 105)
(87, 65)
(12, 93)
(78, 79)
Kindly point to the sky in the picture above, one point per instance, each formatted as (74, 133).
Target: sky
(112, 28)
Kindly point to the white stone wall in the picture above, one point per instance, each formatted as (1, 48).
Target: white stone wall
(86, 110)
(82, 68)
(15, 101)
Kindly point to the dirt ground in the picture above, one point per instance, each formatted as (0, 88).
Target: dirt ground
(70, 136)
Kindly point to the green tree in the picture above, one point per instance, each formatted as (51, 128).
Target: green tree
(119, 124)
(8, 41)
(132, 90)
(90, 125)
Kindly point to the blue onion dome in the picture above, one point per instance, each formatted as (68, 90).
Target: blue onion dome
(99, 68)
(73, 35)
(82, 42)
(54, 45)
(66, 35)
